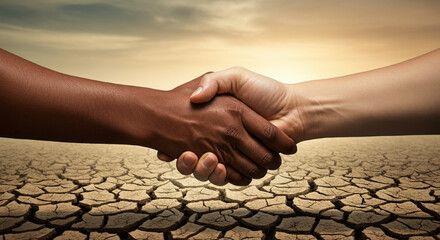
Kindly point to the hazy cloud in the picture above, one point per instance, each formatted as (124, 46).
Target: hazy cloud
(69, 40)
(290, 38)
(281, 19)
(144, 18)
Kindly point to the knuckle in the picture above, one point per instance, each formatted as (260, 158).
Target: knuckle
(251, 171)
(234, 108)
(232, 132)
(270, 131)
(255, 172)
(267, 159)
(271, 161)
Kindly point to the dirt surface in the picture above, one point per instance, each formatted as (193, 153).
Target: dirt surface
(353, 188)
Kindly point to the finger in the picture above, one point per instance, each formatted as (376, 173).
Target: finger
(186, 162)
(234, 177)
(205, 166)
(267, 133)
(258, 153)
(218, 177)
(162, 156)
(246, 166)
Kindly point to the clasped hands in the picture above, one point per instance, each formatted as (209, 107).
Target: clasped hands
(235, 120)
(237, 134)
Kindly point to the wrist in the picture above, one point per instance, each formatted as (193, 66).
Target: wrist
(294, 123)
(318, 109)
(142, 115)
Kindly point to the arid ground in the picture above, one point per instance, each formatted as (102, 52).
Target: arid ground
(353, 188)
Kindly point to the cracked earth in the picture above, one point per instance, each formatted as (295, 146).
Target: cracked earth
(354, 188)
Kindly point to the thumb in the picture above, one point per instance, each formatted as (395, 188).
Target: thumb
(226, 81)
(208, 88)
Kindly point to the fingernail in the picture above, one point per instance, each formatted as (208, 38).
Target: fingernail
(208, 161)
(197, 91)
(187, 161)
(217, 171)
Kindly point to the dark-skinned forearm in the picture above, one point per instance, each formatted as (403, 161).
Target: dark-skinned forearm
(38, 103)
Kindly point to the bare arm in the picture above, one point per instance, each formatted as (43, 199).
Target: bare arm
(38, 103)
(395, 100)
(400, 99)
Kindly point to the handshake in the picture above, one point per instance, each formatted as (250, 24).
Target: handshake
(235, 120)
(237, 134)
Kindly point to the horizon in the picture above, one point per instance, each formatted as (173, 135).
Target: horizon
(164, 44)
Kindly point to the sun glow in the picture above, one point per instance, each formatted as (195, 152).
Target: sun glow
(164, 44)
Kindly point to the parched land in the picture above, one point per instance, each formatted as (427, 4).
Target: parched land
(353, 188)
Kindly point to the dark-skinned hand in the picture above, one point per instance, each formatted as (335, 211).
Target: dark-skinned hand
(246, 143)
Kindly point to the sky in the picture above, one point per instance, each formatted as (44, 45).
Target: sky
(162, 44)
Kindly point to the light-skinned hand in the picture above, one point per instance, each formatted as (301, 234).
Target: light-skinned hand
(271, 99)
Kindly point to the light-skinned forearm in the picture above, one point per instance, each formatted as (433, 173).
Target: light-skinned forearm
(396, 100)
